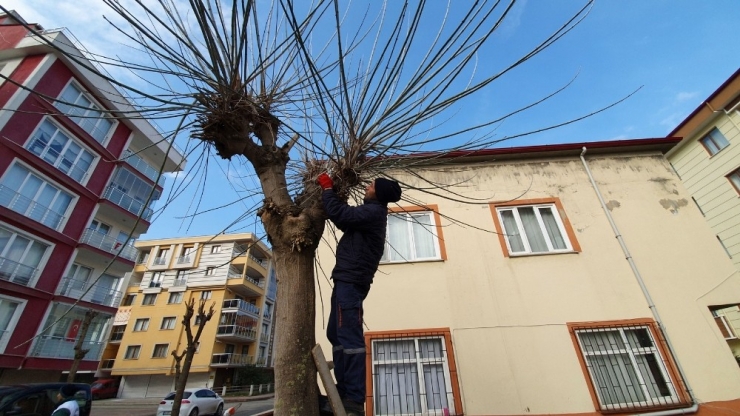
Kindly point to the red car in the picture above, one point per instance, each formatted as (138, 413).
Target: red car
(104, 389)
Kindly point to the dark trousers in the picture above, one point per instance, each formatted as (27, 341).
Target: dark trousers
(346, 336)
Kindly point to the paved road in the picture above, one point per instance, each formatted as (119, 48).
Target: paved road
(148, 407)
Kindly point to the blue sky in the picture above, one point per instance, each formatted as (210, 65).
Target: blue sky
(676, 51)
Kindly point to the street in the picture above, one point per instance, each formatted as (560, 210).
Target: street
(148, 407)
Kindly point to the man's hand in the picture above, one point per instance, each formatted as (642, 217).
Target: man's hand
(325, 181)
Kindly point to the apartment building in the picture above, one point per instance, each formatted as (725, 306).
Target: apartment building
(548, 280)
(708, 162)
(73, 181)
(231, 271)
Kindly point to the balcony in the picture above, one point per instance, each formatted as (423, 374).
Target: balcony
(159, 261)
(155, 283)
(29, 208)
(180, 282)
(264, 338)
(184, 260)
(100, 292)
(143, 259)
(108, 244)
(143, 167)
(127, 202)
(59, 347)
(240, 306)
(107, 364)
(236, 333)
(231, 360)
(15, 272)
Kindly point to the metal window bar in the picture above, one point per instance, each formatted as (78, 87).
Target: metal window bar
(108, 244)
(142, 166)
(15, 272)
(13, 200)
(127, 202)
(411, 375)
(627, 370)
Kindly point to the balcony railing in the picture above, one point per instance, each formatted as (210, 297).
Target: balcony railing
(257, 282)
(108, 244)
(29, 208)
(127, 202)
(231, 360)
(261, 262)
(143, 260)
(264, 337)
(184, 259)
(241, 306)
(16, 272)
(145, 168)
(180, 282)
(267, 316)
(159, 261)
(107, 364)
(98, 293)
(236, 331)
(60, 347)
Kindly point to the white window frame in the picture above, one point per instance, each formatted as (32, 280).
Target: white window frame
(149, 296)
(178, 296)
(210, 271)
(13, 277)
(81, 119)
(128, 355)
(12, 321)
(168, 322)
(411, 221)
(734, 178)
(45, 151)
(631, 352)
(45, 183)
(712, 144)
(420, 363)
(216, 249)
(163, 354)
(520, 231)
(141, 325)
(156, 279)
(206, 295)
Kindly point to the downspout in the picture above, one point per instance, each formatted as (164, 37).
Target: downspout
(648, 298)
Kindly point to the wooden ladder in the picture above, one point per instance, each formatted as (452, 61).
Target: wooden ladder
(328, 381)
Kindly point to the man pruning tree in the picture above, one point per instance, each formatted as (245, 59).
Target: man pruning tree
(358, 255)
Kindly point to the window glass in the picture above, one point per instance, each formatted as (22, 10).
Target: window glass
(714, 141)
(25, 193)
(411, 237)
(533, 229)
(734, 178)
(20, 257)
(175, 297)
(84, 112)
(63, 152)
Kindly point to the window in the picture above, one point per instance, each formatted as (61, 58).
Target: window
(626, 368)
(161, 257)
(160, 350)
(168, 322)
(30, 195)
(714, 141)
(215, 249)
(20, 257)
(10, 312)
(156, 280)
(129, 299)
(413, 374)
(61, 151)
(99, 227)
(413, 236)
(88, 115)
(130, 192)
(149, 299)
(734, 179)
(175, 297)
(205, 295)
(116, 334)
(723, 323)
(141, 324)
(210, 271)
(533, 228)
(132, 352)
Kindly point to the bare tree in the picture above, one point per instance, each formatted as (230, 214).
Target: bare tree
(80, 352)
(292, 89)
(184, 360)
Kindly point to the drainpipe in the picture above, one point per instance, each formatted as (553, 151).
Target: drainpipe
(648, 298)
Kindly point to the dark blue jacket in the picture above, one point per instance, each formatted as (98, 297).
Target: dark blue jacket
(361, 246)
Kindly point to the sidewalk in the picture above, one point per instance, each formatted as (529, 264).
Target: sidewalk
(148, 406)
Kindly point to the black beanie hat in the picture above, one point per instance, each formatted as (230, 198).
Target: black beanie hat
(387, 190)
(68, 390)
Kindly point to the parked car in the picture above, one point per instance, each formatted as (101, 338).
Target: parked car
(194, 402)
(40, 399)
(104, 388)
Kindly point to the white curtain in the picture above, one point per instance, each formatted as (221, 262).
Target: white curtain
(512, 231)
(553, 231)
(423, 236)
(399, 239)
(532, 229)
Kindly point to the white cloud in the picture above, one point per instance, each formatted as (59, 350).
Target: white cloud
(685, 96)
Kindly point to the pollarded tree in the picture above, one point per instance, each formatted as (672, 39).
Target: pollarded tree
(298, 88)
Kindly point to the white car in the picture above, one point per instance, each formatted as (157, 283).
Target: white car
(194, 402)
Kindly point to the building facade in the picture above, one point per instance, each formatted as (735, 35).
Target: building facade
(231, 271)
(708, 161)
(558, 279)
(73, 181)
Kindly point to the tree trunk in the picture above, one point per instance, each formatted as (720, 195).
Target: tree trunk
(182, 380)
(296, 390)
(79, 352)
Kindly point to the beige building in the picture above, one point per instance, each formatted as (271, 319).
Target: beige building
(559, 279)
(232, 271)
(708, 162)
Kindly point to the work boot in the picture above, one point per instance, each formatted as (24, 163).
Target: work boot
(353, 408)
(324, 406)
